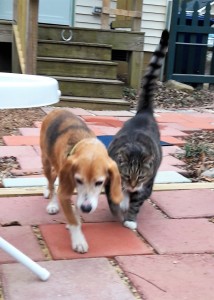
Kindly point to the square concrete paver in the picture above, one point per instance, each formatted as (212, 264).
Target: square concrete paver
(101, 214)
(28, 210)
(27, 163)
(168, 236)
(170, 177)
(17, 151)
(167, 150)
(172, 140)
(170, 160)
(16, 140)
(23, 239)
(165, 277)
(85, 279)
(104, 239)
(31, 210)
(29, 131)
(185, 203)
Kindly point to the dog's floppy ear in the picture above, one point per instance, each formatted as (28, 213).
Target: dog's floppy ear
(66, 177)
(115, 182)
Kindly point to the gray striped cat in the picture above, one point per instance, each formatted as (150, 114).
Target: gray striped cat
(136, 147)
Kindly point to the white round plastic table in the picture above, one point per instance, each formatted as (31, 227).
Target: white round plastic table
(25, 91)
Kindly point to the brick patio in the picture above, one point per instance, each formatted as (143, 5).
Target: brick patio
(170, 257)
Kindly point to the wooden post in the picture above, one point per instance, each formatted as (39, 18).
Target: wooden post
(135, 69)
(136, 22)
(32, 36)
(136, 59)
(15, 58)
(105, 15)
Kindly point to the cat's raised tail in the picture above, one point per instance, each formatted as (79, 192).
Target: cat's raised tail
(145, 102)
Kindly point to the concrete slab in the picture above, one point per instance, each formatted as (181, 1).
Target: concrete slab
(170, 177)
(104, 240)
(24, 182)
(162, 177)
(85, 279)
(165, 277)
(22, 238)
(185, 203)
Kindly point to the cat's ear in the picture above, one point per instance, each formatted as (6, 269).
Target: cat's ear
(115, 182)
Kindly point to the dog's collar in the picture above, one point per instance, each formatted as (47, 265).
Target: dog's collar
(72, 150)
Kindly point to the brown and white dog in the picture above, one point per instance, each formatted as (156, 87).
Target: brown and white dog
(71, 152)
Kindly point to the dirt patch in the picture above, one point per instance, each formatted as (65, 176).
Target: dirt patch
(12, 119)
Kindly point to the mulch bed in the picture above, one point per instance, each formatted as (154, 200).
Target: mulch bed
(198, 155)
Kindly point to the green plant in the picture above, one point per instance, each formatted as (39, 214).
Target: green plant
(195, 150)
(129, 93)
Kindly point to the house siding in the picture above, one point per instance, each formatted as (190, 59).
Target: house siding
(84, 17)
(153, 18)
(153, 22)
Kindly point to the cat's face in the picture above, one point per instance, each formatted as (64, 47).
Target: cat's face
(135, 170)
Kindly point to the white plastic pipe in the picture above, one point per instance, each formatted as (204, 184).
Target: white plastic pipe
(42, 273)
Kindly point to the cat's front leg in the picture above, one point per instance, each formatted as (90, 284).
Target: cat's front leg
(136, 201)
(130, 219)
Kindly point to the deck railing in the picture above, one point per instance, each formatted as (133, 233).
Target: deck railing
(135, 59)
(135, 14)
(25, 33)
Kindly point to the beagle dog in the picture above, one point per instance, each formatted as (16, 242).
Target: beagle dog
(71, 152)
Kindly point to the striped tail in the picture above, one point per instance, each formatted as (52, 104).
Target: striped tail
(151, 75)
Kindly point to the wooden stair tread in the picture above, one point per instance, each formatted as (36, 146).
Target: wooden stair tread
(93, 99)
(75, 43)
(74, 60)
(86, 79)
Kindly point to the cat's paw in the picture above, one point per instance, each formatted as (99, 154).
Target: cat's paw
(130, 224)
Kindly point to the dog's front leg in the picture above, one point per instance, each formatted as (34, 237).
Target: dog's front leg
(79, 243)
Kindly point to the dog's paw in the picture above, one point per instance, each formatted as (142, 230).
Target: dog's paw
(130, 224)
(52, 208)
(80, 245)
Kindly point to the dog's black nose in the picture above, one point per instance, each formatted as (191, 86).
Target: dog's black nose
(86, 208)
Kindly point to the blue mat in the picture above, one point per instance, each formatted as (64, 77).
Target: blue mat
(106, 139)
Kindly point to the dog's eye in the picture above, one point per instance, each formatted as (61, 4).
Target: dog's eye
(79, 181)
(98, 183)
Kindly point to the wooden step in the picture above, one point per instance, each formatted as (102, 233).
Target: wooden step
(74, 50)
(76, 67)
(94, 103)
(89, 87)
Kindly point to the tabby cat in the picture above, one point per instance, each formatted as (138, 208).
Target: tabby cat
(136, 147)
